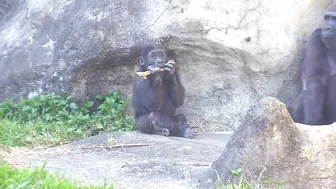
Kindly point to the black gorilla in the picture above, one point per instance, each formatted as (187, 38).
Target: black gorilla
(156, 98)
(316, 104)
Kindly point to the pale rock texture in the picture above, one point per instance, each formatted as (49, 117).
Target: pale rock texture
(269, 146)
(230, 53)
(162, 162)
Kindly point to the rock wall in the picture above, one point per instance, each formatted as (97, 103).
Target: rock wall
(269, 146)
(230, 53)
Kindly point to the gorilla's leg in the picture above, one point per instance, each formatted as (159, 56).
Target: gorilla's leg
(157, 123)
(295, 108)
(330, 105)
(314, 101)
(146, 124)
(183, 128)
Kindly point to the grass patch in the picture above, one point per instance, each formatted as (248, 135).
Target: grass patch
(243, 183)
(38, 178)
(52, 119)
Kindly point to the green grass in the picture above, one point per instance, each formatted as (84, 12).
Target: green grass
(38, 178)
(52, 119)
(33, 133)
(243, 183)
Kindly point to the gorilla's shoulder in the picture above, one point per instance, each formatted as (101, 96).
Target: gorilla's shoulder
(316, 35)
(315, 44)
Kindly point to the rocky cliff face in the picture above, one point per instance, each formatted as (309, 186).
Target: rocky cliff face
(230, 53)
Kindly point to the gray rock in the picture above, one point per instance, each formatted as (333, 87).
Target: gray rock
(85, 48)
(8, 8)
(163, 162)
(269, 146)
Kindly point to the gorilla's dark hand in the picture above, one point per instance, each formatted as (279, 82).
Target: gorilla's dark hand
(189, 133)
(170, 67)
(156, 74)
(153, 69)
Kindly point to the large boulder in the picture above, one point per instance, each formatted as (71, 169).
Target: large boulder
(269, 146)
(230, 53)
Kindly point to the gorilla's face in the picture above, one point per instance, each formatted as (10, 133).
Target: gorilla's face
(153, 55)
(157, 57)
(328, 33)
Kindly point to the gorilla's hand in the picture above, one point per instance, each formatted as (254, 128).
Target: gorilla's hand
(156, 74)
(153, 69)
(170, 67)
(189, 133)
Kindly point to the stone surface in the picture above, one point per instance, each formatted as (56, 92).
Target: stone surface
(167, 162)
(85, 48)
(269, 146)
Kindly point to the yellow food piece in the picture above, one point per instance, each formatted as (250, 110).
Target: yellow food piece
(146, 73)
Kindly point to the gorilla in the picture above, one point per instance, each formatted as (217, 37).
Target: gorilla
(316, 104)
(156, 97)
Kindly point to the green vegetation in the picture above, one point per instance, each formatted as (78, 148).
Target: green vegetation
(38, 178)
(52, 119)
(242, 184)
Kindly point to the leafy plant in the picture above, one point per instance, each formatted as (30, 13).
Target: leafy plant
(242, 184)
(60, 119)
(236, 172)
(114, 106)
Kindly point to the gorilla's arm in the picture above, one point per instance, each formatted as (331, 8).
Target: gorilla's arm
(313, 68)
(176, 91)
(314, 75)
